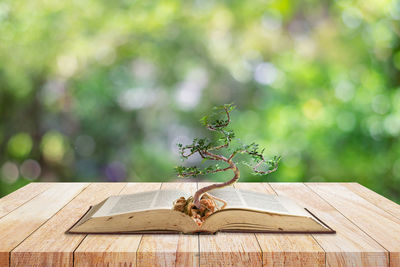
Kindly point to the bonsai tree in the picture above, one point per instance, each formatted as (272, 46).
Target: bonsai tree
(203, 204)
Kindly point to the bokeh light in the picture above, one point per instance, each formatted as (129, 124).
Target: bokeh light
(9, 172)
(53, 146)
(30, 169)
(103, 91)
(20, 145)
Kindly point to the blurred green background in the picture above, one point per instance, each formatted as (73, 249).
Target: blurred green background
(103, 90)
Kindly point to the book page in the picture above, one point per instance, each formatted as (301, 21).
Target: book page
(260, 201)
(252, 200)
(272, 203)
(230, 195)
(140, 201)
(159, 199)
(165, 198)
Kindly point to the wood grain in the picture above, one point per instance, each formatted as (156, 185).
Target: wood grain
(378, 224)
(376, 199)
(350, 246)
(23, 221)
(24, 194)
(286, 249)
(50, 245)
(169, 249)
(32, 230)
(112, 250)
(229, 249)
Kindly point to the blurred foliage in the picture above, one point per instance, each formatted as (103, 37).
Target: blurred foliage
(103, 90)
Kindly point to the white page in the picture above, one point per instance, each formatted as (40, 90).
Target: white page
(230, 195)
(257, 201)
(158, 199)
(272, 203)
(165, 198)
(261, 201)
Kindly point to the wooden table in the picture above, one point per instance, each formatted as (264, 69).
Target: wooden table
(34, 218)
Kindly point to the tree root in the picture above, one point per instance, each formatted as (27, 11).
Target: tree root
(208, 207)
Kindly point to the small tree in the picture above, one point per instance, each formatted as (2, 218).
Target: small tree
(202, 204)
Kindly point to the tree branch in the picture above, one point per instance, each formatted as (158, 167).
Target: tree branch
(204, 146)
(235, 153)
(219, 147)
(218, 157)
(221, 170)
(216, 128)
(275, 164)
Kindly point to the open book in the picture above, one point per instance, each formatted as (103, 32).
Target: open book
(247, 211)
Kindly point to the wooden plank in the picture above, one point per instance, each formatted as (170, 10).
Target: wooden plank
(230, 249)
(50, 245)
(350, 246)
(376, 199)
(366, 225)
(24, 194)
(23, 221)
(349, 204)
(169, 249)
(112, 250)
(377, 223)
(286, 249)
